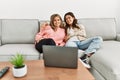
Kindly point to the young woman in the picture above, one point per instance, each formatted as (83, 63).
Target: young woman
(52, 34)
(76, 37)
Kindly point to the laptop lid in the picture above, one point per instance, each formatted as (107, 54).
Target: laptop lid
(57, 56)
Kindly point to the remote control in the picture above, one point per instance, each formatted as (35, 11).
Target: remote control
(3, 71)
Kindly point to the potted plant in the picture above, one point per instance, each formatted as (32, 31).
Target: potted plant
(19, 69)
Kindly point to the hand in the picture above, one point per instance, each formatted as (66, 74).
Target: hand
(66, 38)
(44, 24)
(36, 41)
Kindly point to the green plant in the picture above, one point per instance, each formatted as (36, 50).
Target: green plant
(17, 60)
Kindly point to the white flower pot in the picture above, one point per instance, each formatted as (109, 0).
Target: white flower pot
(19, 72)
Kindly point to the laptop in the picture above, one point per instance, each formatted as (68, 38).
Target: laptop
(57, 56)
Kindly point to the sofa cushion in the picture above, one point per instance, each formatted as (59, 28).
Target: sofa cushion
(19, 30)
(28, 50)
(118, 37)
(104, 27)
(0, 30)
(106, 60)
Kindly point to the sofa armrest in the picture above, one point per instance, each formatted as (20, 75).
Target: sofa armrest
(118, 37)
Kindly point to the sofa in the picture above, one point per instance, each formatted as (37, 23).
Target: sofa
(17, 36)
(105, 62)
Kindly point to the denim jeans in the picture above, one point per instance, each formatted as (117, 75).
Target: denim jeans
(90, 45)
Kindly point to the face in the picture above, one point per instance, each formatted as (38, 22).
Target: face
(57, 22)
(69, 19)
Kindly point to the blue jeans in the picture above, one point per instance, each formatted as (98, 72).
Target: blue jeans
(90, 45)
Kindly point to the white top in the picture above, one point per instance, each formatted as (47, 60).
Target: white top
(70, 32)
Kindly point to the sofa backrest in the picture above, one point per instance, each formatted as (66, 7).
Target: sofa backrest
(0, 30)
(19, 30)
(104, 27)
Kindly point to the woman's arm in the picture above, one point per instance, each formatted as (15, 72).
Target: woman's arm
(38, 37)
(66, 38)
(79, 32)
(43, 26)
(42, 34)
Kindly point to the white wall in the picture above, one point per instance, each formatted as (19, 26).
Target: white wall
(42, 9)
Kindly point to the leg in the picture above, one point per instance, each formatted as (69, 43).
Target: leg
(48, 41)
(74, 44)
(71, 43)
(90, 44)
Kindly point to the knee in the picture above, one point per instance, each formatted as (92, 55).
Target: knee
(67, 44)
(51, 42)
(98, 39)
(38, 48)
(71, 44)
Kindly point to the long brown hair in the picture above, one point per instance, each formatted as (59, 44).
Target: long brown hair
(52, 21)
(74, 24)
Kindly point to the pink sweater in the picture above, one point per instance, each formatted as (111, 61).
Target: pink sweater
(48, 32)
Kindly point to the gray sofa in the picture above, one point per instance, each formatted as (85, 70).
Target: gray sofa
(17, 35)
(105, 63)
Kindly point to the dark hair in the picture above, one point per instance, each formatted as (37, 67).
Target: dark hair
(74, 25)
(52, 21)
